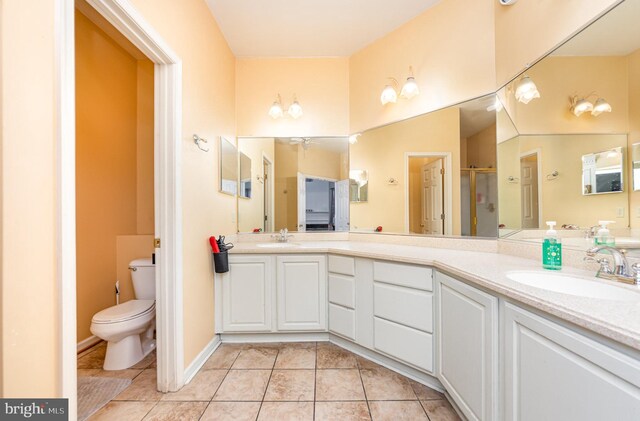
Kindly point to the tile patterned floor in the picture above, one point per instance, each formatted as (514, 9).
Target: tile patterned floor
(273, 382)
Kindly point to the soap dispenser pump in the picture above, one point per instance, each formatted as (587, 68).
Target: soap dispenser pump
(603, 237)
(551, 249)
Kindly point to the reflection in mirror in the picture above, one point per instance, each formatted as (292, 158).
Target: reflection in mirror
(635, 165)
(358, 185)
(602, 172)
(301, 184)
(432, 174)
(228, 164)
(561, 159)
(245, 176)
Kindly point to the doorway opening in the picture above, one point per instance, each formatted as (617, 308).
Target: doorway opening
(428, 194)
(268, 205)
(530, 190)
(478, 198)
(323, 204)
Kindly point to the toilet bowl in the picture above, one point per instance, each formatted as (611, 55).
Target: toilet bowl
(129, 327)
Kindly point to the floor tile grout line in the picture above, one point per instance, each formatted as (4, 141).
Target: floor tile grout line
(315, 379)
(225, 375)
(268, 381)
(364, 389)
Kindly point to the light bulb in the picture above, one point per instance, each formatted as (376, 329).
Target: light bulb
(295, 109)
(601, 106)
(410, 88)
(276, 110)
(526, 90)
(582, 106)
(353, 139)
(388, 95)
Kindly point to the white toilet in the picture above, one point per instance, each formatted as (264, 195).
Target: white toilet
(128, 327)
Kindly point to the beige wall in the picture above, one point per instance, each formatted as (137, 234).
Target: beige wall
(562, 198)
(527, 30)
(321, 86)
(559, 78)
(251, 211)
(30, 312)
(110, 148)
(481, 149)
(381, 152)
(321, 162)
(286, 187)
(445, 45)
(208, 109)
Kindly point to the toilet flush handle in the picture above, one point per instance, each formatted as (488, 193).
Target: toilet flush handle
(133, 269)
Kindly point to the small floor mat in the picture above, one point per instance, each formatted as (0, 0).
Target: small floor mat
(96, 392)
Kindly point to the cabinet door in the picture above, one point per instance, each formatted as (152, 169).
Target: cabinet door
(302, 292)
(246, 294)
(468, 347)
(553, 373)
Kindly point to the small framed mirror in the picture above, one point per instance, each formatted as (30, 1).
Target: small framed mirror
(228, 164)
(358, 185)
(635, 162)
(245, 177)
(602, 172)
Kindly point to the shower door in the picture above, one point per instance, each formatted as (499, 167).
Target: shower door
(479, 198)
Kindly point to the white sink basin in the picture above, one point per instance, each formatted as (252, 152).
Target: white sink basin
(571, 285)
(277, 245)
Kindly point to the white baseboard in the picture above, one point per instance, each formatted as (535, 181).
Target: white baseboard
(274, 337)
(87, 343)
(391, 364)
(200, 359)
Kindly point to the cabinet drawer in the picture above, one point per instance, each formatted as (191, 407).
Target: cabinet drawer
(406, 306)
(411, 276)
(404, 343)
(342, 265)
(342, 321)
(342, 291)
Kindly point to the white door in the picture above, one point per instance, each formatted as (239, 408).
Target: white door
(268, 191)
(553, 373)
(302, 202)
(246, 294)
(302, 292)
(529, 188)
(432, 198)
(468, 347)
(342, 205)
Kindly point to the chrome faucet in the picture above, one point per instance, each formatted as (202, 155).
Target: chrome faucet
(592, 231)
(283, 236)
(620, 272)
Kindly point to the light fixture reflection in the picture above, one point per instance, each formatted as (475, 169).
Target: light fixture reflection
(581, 106)
(526, 90)
(353, 139)
(295, 109)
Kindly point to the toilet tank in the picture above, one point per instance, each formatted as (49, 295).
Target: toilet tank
(143, 276)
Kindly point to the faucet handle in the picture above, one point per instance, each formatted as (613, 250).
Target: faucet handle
(635, 272)
(604, 263)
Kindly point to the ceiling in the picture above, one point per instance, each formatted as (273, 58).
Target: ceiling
(615, 34)
(334, 144)
(474, 116)
(309, 28)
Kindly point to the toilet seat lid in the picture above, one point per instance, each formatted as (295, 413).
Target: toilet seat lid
(125, 311)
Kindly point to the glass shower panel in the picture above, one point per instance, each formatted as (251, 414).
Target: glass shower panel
(465, 202)
(486, 196)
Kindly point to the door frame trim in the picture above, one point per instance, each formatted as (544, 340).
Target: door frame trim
(538, 153)
(167, 187)
(448, 181)
(271, 187)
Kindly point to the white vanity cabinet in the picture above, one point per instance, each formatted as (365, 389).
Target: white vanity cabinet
(301, 292)
(403, 312)
(468, 347)
(342, 296)
(247, 294)
(554, 373)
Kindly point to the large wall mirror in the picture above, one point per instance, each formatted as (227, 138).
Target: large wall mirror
(432, 174)
(300, 183)
(569, 155)
(228, 164)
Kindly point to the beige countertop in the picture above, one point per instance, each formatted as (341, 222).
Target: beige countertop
(616, 320)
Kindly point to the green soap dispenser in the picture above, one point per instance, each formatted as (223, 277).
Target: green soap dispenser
(603, 236)
(551, 249)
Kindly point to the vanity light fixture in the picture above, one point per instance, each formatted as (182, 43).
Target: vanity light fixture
(277, 110)
(582, 105)
(526, 90)
(409, 90)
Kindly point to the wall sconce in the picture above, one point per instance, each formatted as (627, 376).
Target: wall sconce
(526, 90)
(580, 105)
(409, 90)
(277, 110)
